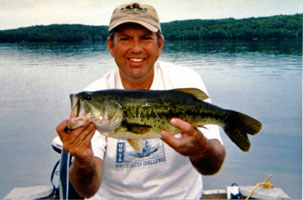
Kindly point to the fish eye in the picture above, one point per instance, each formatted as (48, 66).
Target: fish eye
(88, 97)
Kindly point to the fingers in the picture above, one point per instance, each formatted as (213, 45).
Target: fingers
(87, 134)
(60, 128)
(76, 139)
(63, 130)
(170, 139)
(190, 141)
(184, 126)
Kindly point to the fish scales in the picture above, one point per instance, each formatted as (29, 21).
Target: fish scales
(157, 112)
(152, 112)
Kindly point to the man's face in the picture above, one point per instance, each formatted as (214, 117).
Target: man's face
(135, 50)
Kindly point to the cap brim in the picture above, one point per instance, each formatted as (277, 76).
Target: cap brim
(146, 25)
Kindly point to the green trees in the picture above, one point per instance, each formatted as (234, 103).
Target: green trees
(278, 27)
(55, 33)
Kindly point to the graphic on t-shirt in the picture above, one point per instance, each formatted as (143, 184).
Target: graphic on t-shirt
(152, 154)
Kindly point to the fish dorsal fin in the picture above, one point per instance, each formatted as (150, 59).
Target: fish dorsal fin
(199, 94)
(136, 144)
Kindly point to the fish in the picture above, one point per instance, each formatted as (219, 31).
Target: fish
(135, 115)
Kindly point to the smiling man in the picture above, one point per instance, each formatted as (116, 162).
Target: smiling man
(167, 168)
(135, 50)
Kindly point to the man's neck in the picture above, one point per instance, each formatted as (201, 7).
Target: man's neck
(140, 83)
(137, 85)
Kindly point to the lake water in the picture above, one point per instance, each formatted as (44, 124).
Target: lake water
(262, 79)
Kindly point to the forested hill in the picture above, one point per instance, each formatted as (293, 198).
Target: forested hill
(278, 27)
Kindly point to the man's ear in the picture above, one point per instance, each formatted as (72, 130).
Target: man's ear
(160, 44)
(110, 46)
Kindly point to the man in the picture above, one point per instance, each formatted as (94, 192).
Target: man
(170, 167)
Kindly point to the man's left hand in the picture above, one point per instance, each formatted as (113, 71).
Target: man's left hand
(192, 143)
(207, 156)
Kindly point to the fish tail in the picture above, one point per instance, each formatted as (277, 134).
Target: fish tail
(238, 125)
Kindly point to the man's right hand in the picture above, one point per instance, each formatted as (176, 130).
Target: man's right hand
(86, 170)
(78, 141)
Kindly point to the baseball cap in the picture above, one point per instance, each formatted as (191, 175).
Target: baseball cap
(145, 15)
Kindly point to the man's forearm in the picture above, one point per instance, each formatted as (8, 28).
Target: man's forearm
(86, 179)
(211, 161)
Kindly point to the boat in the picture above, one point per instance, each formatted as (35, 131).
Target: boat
(64, 190)
(244, 193)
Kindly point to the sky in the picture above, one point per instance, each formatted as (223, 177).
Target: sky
(23, 13)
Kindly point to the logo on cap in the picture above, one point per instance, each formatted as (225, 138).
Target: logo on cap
(133, 9)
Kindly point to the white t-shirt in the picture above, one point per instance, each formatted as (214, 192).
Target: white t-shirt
(158, 172)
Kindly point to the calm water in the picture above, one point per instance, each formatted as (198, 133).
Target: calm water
(262, 79)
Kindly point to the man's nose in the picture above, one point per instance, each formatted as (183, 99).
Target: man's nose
(137, 47)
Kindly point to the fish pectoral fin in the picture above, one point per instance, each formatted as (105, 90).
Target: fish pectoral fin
(199, 94)
(136, 144)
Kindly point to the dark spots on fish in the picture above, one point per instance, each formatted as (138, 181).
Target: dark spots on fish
(136, 128)
(153, 115)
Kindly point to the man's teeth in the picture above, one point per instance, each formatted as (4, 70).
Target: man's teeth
(136, 59)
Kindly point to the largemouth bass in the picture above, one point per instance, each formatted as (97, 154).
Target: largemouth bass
(142, 114)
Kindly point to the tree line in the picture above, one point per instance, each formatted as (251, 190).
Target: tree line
(55, 33)
(244, 29)
(275, 27)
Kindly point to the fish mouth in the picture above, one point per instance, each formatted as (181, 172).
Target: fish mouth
(75, 106)
(78, 112)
